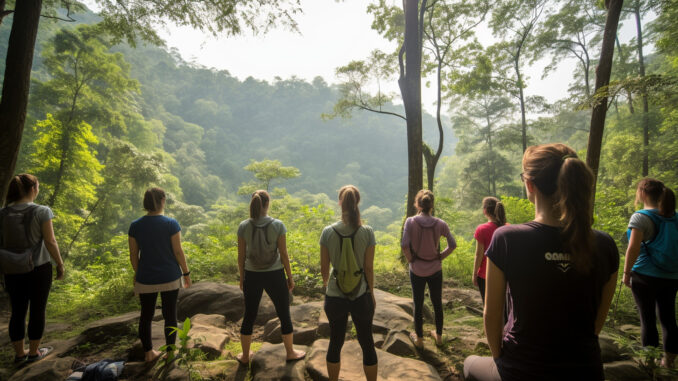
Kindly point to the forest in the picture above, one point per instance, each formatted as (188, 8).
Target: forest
(112, 111)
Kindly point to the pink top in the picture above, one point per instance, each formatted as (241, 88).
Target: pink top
(426, 245)
(483, 235)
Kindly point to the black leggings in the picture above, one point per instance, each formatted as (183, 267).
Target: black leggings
(169, 313)
(435, 289)
(650, 293)
(275, 285)
(362, 312)
(30, 289)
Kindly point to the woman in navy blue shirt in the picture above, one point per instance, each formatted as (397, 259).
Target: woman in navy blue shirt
(160, 265)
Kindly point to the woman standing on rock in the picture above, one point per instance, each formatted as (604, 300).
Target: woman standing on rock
(421, 246)
(348, 246)
(653, 281)
(25, 226)
(493, 210)
(159, 265)
(262, 256)
(559, 275)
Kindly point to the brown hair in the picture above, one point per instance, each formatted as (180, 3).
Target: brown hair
(657, 193)
(19, 187)
(153, 199)
(494, 208)
(259, 201)
(424, 200)
(561, 176)
(349, 197)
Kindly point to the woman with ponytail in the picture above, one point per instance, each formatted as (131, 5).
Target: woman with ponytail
(359, 302)
(493, 210)
(558, 275)
(421, 246)
(24, 226)
(263, 262)
(653, 283)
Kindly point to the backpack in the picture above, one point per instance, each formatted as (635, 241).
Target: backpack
(415, 256)
(662, 250)
(16, 250)
(262, 253)
(347, 272)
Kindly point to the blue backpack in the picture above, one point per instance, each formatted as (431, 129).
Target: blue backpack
(662, 250)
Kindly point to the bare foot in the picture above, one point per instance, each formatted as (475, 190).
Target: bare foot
(242, 359)
(151, 355)
(296, 355)
(418, 342)
(438, 338)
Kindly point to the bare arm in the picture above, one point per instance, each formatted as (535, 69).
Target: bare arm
(495, 296)
(134, 255)
(241, 259)
(180, 256)
(325, 264)
(285, 259)
(52, 247)
(605, 301)
(480, 253)
(368, 268)
(632, 252)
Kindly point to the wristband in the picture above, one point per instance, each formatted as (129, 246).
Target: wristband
(186, 274)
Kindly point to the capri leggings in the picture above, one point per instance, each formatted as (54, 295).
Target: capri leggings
(26, 291)
(656, 294)
(275, 285)
(362, 313)
(169, 313)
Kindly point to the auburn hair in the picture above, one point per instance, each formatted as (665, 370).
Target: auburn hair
(19, 187)
(494, 208)
(349, 198)
(560, 175)
(657, 193)
(424, 200)
(260, 200)
(153, 199)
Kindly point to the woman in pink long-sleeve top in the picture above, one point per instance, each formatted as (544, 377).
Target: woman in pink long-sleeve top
(421, 246)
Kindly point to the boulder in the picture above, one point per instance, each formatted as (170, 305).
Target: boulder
(226, 370)
(391, 367)
(609, 349)
(211, 319)
(222, 299)
(399, 344)
(102, 331)
(406, 304)
(304, 320)
(48, 369)
(209, 339)
(269, 364)
(624, 371)
(389, 317)
(378, 339)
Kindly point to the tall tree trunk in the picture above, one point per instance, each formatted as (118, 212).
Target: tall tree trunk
(646, 108)
(622, 60)
(603, 72)
(410, 89)
(16, 85)
(521, 95)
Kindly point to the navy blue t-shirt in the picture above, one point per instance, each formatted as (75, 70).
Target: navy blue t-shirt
(552, 308)
(157, 263)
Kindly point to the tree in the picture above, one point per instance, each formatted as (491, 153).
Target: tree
(124, 20)
(603, 72)
(266, 171)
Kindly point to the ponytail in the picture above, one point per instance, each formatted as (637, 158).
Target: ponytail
(19, 187)
(259, 201)
(656, 192)
(424, 200)
(349, 197)
(494, 208)
(559, 174)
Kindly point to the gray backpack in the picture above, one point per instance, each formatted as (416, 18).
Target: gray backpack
(262, 254)
(16, 249)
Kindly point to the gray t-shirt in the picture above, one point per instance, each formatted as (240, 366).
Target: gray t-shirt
(363, 239)
(40, 215)
(644, 224)
(273, 232)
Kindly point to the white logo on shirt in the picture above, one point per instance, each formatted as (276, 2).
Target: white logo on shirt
(561, 260)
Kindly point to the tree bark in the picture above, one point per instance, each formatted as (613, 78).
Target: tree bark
(410, 89)
(646, 107)
(603, 72)
(16, 85)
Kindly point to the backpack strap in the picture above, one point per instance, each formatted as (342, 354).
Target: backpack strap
(264, 226)
(341, 244)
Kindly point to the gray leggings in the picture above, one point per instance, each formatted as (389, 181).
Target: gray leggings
(478, 368)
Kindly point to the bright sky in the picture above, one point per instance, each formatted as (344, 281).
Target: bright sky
(331, 34)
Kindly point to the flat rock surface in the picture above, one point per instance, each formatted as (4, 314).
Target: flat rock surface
(269, 364)
(221, 299)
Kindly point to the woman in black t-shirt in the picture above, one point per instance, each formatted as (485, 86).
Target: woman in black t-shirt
(557, 274)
